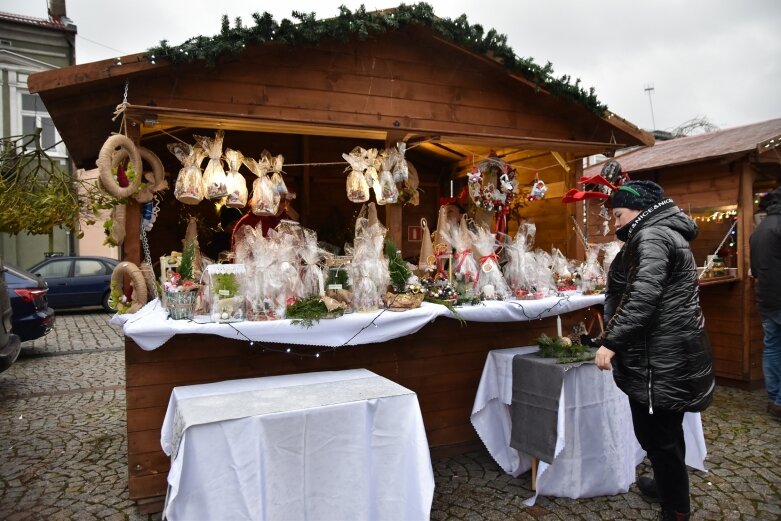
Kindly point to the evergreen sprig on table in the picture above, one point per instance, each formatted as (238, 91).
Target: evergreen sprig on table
(564, 352)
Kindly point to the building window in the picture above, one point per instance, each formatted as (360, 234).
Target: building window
(34, 116)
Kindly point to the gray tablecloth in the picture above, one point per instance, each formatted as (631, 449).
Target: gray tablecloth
(534, 409)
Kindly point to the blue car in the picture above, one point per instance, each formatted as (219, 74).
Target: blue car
(10, 344)
(31, 316)
(77, 281)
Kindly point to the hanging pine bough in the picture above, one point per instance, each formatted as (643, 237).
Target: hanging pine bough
(361, 24)
(38, 195)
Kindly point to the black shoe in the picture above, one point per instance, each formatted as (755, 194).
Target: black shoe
(648, 490)
(672, 515)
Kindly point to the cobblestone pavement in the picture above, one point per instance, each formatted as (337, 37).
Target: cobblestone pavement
(63, 449)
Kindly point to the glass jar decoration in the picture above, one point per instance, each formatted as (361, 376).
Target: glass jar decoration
(226, 282)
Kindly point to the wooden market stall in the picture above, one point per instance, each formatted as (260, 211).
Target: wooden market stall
(452, 100)
(718, 178)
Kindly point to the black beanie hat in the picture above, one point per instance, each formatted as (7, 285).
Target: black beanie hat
(636, 195)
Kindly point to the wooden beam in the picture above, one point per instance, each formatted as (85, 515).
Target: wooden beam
(745, 225)
(560, 160)
(131, 247)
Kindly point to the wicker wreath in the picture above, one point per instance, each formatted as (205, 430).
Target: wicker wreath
(118, 219)
(139, 295)
(155, 179)
(114, 150)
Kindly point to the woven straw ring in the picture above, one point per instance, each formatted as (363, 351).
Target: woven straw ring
(139, 295)
(114, 150)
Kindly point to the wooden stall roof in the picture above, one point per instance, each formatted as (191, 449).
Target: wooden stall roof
(758, 138)
(81, 99)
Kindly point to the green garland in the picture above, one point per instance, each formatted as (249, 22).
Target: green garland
(307, 311)
(362, 24)
(564, 353)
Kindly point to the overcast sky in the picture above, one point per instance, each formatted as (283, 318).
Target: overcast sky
(718, 59)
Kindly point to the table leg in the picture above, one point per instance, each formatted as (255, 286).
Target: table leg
(534, 473)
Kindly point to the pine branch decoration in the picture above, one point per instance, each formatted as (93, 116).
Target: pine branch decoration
(361, 24)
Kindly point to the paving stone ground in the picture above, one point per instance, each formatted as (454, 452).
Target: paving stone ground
(63, 448)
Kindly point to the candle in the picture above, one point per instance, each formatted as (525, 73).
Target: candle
(451, 188)
(558, 325)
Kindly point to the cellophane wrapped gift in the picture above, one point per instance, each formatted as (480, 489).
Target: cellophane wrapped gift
(369, 268)
(283, 278)
(388, 194)
(490, 281)
(357, 188)
(399, 165)
(563, 271)
(265, 198)
(237, 185)
(517, 251)
(253, 250)
(189, 183)
(464, 264)
(312, 278)
(215, 181)
(226, 285)
(611, 249)
(276, 175)
(592, 276)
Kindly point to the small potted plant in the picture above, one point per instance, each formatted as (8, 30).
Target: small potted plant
(181, 289)
(227, 297)
(405, 292)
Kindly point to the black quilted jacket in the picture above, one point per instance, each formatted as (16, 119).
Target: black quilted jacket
(653, 316)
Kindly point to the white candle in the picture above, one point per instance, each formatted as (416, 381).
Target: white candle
(451, 188)
(558, 325)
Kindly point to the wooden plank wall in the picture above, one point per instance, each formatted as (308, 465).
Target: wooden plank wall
(442, 363)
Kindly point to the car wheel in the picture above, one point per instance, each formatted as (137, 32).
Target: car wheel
(105, 303)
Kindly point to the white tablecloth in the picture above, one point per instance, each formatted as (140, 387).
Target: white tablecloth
(596, 449)
(357, 449)
(150, 327)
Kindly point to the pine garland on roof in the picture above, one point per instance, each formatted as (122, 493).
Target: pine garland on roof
(308, 30)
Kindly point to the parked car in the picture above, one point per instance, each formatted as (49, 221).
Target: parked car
(32, 317)
(77, 281)
(10, 344)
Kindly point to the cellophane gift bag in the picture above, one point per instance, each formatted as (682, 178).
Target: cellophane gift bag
(388, 194)
(464, 264)
(399, 165)
(276, 175)
(592, 276)
(312, 278)
(237, 185)
(283, 277)
(215, 181)
(226, 286)
(490, 281)
(265, 198)
(357, 188)
(515, 270)
(563, 271)
(189, 183)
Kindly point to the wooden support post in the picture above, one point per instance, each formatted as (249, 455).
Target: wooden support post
(745, 222)
(131, 247)
(393, 215)
(305, 181)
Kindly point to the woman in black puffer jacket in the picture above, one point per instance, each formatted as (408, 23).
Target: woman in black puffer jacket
(655, 337)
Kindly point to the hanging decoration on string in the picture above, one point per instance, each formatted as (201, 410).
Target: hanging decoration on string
(538, 189)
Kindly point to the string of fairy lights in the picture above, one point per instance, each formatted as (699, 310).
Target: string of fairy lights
(314, 351)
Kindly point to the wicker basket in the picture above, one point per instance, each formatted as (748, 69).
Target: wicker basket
(181, 304)
(403, 301)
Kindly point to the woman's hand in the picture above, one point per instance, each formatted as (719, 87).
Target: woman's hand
(603, 358)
